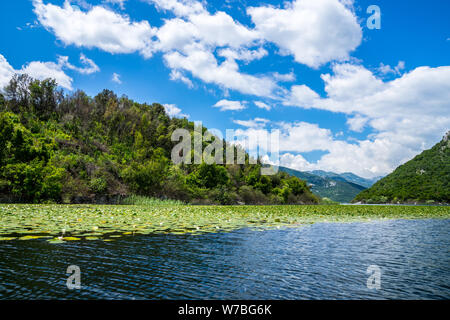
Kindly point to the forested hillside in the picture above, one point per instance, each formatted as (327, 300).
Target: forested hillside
(425, 178)
(348, 177)
(74, 148)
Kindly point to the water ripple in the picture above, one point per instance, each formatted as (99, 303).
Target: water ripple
(321, 261)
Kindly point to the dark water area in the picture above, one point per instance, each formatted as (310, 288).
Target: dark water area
(319, 261)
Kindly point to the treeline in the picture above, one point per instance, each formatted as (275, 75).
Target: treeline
(71, 148)
(424, 179)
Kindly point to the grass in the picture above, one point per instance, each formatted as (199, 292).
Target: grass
(60, 223)
(147, 201)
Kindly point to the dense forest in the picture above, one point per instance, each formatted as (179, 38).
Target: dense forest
(72, 148)
(424, 179)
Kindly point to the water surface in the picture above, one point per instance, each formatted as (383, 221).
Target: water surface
(318, 261)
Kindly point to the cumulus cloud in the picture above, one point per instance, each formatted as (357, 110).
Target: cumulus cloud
(243, 54)
(189, 41)
(43, 70)
(387, 69)
(226, 105)
(120, 3)
(178, 75)
(287, 77)
(173, 111)
(179, 7)
(97, 28)
(192, 39)
(302, 96)
(357, 123)
(89, 65)
(314, 32)
(407, 115)
(368, 158)
(36, 69)
(6, 72)
(262, 105)
(253, 123)
(203, 65)
(116, 78)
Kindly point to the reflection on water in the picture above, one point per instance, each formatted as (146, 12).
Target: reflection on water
(320, 261)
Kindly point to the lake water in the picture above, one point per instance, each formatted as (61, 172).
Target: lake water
(319, 261)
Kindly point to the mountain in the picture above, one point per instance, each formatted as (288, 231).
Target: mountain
(346, 176)
(337, 189)
(424, 179)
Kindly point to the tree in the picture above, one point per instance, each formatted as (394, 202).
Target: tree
(209, 176)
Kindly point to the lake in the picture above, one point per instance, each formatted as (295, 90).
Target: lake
(317, 261)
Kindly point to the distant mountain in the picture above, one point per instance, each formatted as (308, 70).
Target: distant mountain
(337, 189)
(346, 176)
(425, 178)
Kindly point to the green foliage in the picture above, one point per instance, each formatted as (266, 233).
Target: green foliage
(75, 149)
(424, 179)
(209, 176)
(150, 202)
(327, 201)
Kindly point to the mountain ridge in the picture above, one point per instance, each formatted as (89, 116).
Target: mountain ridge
(337, 189)
(347, 176)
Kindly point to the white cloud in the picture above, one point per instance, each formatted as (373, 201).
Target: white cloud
(120, 3)
(226, 105)
(287, 77)
(387, 69)
(315, 32)
(221, 30)
(97, 28)
(6, 72)
(90, 66)
(178, 75)
(116, 78)
(254, 123)
(368, 158)
(190, 40)
(36, 69)
(243, 54)
(407, 115)
(43, 70)
(179, 7)
(173, 111)
(203, 65)
(302, 96)
(262, 105)
(357, 123)
(214, 30)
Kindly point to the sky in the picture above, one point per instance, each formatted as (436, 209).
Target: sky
(346, 94)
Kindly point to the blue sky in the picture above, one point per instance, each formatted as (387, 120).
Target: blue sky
(345, 97)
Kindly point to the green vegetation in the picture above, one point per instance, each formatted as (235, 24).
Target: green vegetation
(327, 201)
(338, 190)
(147, 201)
(59, 148)
(58, 223)
(424, 179)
